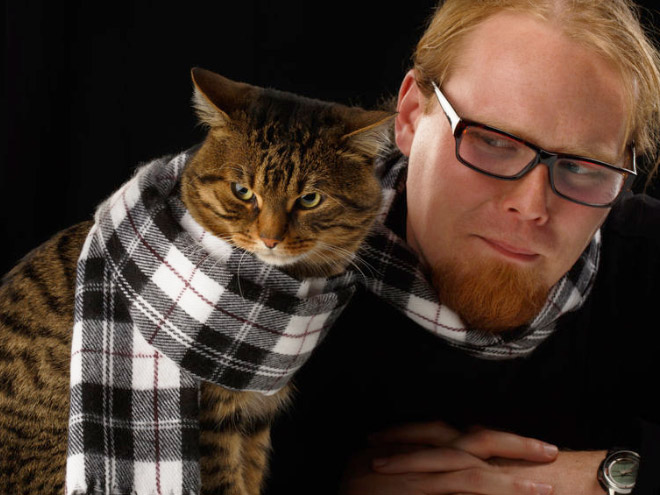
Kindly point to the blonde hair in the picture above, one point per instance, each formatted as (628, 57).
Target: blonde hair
(610, 27)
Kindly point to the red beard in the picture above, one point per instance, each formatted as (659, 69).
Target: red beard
(490, 295)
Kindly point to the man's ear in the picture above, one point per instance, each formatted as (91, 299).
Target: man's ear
(410, 107)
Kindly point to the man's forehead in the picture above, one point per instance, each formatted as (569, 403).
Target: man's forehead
(525, 76)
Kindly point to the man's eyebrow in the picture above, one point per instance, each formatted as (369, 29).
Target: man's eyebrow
(601, 155)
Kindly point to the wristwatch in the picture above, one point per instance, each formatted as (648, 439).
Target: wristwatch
(617, 473)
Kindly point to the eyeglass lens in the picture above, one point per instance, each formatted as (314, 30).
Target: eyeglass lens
(503, 156)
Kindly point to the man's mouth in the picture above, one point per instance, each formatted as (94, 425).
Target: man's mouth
(513, 252)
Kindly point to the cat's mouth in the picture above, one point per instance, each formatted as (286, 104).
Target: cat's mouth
(278, 258)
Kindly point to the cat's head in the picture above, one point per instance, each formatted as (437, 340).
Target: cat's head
(287, 178)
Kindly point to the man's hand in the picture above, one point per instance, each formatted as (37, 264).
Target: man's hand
(430, 458)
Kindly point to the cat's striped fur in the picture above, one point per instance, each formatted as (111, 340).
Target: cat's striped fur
(250, 143)
(36, 318)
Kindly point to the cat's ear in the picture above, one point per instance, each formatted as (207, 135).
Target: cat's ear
(368, 131)
(216, 98)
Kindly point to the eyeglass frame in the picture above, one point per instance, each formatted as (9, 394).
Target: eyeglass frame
(548, 158)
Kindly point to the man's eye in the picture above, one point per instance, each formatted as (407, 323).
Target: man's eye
(579, 168)
(580, 174)
(496, 142)
(490, 141)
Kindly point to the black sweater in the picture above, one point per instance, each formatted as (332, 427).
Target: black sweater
(592, 385)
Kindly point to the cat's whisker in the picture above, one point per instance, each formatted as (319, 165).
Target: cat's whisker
(193, 248)
(238, 271)
(349, 258)
(359, 261)
(322, 258)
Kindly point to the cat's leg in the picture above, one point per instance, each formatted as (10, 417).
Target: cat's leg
(256, 452)
(235, 439)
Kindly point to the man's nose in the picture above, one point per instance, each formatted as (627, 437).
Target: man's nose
(528, 197)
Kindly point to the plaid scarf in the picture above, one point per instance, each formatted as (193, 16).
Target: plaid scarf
(400, 279)
(161, 304)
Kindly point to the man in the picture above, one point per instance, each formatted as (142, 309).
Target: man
(503, 227)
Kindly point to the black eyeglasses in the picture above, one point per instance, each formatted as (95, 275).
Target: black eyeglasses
(504, 156)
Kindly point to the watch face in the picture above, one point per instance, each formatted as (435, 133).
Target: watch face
(622, 469)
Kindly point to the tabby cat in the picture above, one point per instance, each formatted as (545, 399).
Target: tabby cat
(248, 183)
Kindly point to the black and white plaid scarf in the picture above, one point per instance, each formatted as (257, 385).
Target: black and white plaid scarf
(162, 304)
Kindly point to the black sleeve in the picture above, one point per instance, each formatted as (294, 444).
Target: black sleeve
(648, 480)
(628, 297)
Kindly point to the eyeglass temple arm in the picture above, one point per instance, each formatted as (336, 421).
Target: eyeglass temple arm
(450, 113)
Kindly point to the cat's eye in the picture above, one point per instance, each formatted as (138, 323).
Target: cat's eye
(310, 200)
(241, 192)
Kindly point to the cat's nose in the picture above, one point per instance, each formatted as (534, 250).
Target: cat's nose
(270, 243)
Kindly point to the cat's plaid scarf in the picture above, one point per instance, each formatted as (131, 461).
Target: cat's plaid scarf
(161, 304)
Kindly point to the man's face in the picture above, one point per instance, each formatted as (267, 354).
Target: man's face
(523, 76)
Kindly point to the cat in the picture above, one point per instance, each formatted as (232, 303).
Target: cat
(284, 177)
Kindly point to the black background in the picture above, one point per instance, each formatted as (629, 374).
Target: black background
(92, 89)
